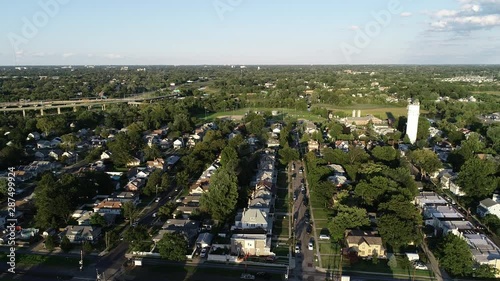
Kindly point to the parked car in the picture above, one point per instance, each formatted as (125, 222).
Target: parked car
(247, 276)
(311, 244)
(154, 215)
(309, 229)
(305, 200)
(297, 248)
(324, 237)
(203, 252)
(263, 275)
(419, 265)
(157, 199)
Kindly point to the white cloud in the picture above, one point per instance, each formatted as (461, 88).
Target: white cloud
(90, 55)
(20, 53)
(353, 27)
(471, 15)
(67, 55)
(405, 14)
(113, 56)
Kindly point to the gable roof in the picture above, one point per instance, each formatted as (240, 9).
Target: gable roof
(358, 237)
(488, 202)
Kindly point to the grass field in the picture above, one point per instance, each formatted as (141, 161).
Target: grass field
(377, 110)
(286, 111)
(30, 260)
(320, 213)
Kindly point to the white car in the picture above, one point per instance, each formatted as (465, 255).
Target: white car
(154, 215)
(324, 237)
(157, 199)
(420, 265)
(297, 248)
(310, 246)
(203, 252)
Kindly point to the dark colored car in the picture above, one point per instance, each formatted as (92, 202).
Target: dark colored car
(307, 214)
(263, 275)
(309, 229)
(306, 201)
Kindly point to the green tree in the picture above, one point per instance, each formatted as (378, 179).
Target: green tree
(66, 244)
(454, 256)
(121, 149)
(172, 246)
(50, 243)
(477, 178)
(357, 155)
(97, 219)
(426, 160)
(87, 247)
(130, 211)
(182, 179)
(138, 238)
(373, 190)
(288, 154)
(336, 156)
(229, 158)
(221, 198)
(69, 141)
(167, 210)
(347, 218)
(385, 153)
(423, 128)
(154, 181)
(151, 153)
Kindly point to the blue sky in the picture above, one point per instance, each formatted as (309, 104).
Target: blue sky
(77, 32)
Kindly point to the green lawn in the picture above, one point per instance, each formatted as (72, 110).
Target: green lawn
(286, 111)
(281, 251)
(382, 267)
(29, 259)
(328, 248)
(320, 223)
(320, 213)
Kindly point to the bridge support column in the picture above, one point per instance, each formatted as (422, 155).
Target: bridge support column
(103, 107)
(24, 113)
(41, 112)
(74, 108)
(89, 107)
(58, 110)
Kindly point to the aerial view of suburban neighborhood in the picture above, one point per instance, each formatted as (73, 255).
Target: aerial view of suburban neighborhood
(140, 143)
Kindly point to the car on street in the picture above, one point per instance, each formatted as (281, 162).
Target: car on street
(247, 276)
(305, 200)
(310, 246)
(307, 213)
(157, 199)
(154, 215)
(263, 275)
(294, 196)
(297, 248)
(309, 229)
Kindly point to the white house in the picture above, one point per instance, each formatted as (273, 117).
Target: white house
(251, 219)
(488, 206)
(106, 155)
(178, 144)
(134, 162)
(33, 136)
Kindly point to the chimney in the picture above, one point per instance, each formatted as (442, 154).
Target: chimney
(354, 113)
(359, 113)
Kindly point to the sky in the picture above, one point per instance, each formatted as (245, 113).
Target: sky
(249, 32)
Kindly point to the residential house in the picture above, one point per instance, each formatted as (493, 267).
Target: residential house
(124, 197)
(365, 244)
(310, 128)
(136, 185)
(448, 179)
(429, 198)
(166, 143)
(312, 145)
(134, 162)
(106, 155)
(483, 250)
(188, 228)
(77, 233)
(172, 160)
(178, 143)
(253, 219)
(98, 142)
(56, 154)
(488, 206)
(272, 142)
(43, 144)
(33, 136)
(200, 187)
(251, 244)
(157, 163)
(110, 207)
(204, 240)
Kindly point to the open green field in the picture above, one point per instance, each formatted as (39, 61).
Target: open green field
(48, 260)
(328, 248)
(381, 111)
(286, 111)
(320, 213)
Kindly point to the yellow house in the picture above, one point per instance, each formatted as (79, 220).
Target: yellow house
(365, 244)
